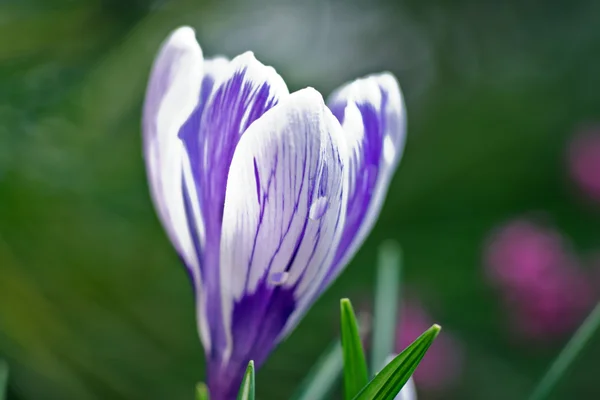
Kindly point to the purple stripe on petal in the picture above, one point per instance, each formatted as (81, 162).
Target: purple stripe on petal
(269, 307)
(189, 136)
(258, 319)
(190, 131)
(273, 254)
(363, 173)
(371, 112)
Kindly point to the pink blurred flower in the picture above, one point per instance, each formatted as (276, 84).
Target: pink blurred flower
(442, 365)
(520, 253)
(545, 292)
(584, 162)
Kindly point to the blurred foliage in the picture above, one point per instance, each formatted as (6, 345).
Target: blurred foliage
(93, 302)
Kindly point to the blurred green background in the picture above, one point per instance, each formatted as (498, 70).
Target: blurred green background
(93, 301)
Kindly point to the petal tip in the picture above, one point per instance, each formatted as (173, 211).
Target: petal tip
(258, 72)
(183, 36)
(388, 81)
(247, 60)
(310, 95)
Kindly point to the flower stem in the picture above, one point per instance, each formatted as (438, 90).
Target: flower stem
(568, 355)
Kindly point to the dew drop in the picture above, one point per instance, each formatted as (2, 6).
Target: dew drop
(318, 208)
(278, 278)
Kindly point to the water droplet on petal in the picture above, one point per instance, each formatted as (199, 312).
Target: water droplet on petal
(278, 278)
(318, 208)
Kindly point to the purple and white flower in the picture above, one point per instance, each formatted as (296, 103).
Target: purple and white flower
(265, 195)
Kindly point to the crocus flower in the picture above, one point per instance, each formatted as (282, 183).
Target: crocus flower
(264, 194)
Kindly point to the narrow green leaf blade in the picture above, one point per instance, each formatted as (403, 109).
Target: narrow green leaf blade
(323, 375)
(568, 355)
(247, 389)
(355, 366)
(387, 293)
(388, 383)
(3, 378)
(201, 392)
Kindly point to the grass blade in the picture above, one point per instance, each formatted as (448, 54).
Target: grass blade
(3, 378)
(355, 366)
(385, 311)
(388, 383)
(323, 376)
(201, 392)
(568, 355)
(247, 388)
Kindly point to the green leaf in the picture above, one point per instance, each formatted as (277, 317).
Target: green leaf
(247, 387)
(202, 391)
(387, 293)
(322, 376)
(355, 366)
(3, 378)
(568, 355)
(388, 383)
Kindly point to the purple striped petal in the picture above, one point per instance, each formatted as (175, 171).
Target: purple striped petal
(171, 97)
(284, 213)
(371, 111)
(233, 95)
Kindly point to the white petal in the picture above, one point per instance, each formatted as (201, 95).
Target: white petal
(171, 97)
(285, 164)
(372, 114)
